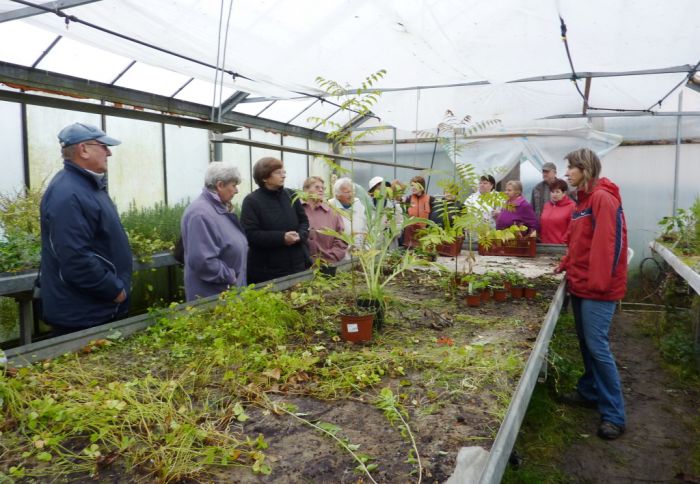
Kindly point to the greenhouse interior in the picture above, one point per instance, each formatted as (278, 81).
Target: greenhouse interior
(252, 376)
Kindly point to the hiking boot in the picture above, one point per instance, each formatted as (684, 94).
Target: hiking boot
(578, 400)
(610, 431)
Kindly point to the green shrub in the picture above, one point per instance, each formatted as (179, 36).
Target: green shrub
(20, 231)
(158, 222)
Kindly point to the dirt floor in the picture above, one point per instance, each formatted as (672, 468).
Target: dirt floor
(660, 431)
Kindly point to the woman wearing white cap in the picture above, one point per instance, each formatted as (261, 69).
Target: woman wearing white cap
(377, 188)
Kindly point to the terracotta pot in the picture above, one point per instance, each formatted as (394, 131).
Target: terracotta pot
(516, 292)
(473, 300)
(356, 327)
(500, 294)
(451, 250)
(530, 293)
(507, 285)
(485, 295)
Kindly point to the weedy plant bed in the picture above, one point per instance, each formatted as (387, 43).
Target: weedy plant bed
(261, 388)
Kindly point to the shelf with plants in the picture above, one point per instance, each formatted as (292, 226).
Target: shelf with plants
(152, 233)
(679, 243)
(151, 230)
(260, 383)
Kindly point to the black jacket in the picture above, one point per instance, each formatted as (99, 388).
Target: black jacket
(85, 256)
(266, 215)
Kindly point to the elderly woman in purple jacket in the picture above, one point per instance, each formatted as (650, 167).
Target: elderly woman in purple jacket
(518, 211)
(216, 248)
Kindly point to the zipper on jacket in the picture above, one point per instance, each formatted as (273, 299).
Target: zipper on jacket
(114, 269)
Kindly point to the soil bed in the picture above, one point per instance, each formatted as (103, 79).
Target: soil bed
(257, 376)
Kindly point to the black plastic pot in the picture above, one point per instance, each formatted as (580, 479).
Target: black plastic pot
(375, 306)
(328, 271)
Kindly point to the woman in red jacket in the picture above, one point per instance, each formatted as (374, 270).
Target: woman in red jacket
(596, 275)
(556, 214)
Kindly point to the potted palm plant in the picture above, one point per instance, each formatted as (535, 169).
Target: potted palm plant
(383, 224)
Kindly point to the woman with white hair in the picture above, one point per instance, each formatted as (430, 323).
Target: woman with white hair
(351, 209)
(216, 248)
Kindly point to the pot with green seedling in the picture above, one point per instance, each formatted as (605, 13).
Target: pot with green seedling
(529, 291)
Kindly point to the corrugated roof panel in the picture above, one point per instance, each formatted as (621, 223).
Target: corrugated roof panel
(152, 79)
(285, 110)
(21, 43)
(202, 92)
(252, 108)
(81, 60)
(318, 111)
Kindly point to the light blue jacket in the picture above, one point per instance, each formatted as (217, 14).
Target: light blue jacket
(216, 248)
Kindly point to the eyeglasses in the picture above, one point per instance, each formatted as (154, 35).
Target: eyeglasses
(104, 147)
(280, 172)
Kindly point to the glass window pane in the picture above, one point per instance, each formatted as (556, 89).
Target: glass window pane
(136, 165)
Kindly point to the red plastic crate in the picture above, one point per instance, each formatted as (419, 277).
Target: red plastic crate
(524, 247)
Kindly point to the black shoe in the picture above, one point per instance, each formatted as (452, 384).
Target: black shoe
(610, 431)
(578, 400)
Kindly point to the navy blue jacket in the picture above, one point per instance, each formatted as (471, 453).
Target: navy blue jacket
(266, 215)
(85, 255)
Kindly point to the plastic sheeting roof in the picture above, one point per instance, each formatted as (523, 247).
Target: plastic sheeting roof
(281, 46)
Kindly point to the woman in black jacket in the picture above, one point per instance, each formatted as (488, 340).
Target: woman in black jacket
(276, 227)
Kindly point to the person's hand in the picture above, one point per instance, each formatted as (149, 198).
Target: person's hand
(291, 238)
(559, 269)
(121, 297)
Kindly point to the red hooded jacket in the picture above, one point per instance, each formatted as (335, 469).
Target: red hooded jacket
(555, 220)
(596, 260)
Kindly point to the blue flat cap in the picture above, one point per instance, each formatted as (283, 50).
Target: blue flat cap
(79, 132)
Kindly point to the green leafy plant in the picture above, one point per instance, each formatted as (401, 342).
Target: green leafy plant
(20, 230)
(683, 229)
(152, 229)
(388, 402)
(460, 220)
(383, 225)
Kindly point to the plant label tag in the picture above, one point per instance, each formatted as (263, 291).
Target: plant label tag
(352, 328)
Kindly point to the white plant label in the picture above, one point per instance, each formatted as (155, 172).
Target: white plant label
(352, 328)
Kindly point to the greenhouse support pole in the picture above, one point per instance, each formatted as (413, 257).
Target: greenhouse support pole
(678, 154)
(393, 152)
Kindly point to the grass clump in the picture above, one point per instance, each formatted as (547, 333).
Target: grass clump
(548, 427)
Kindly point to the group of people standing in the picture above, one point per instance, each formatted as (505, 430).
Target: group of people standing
(279, 233)
(86, 261)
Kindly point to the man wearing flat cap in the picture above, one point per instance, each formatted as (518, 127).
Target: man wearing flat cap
(540, 194)
(86, 260)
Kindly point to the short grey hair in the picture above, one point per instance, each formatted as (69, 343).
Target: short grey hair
(340, 183)
(221, 171)
(516, 184)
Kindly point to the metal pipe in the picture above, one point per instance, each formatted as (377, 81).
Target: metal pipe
(393, 142)
(270, 146)
(676, 167)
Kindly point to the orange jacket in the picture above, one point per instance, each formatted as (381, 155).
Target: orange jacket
(596, 260)
(420, 207)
